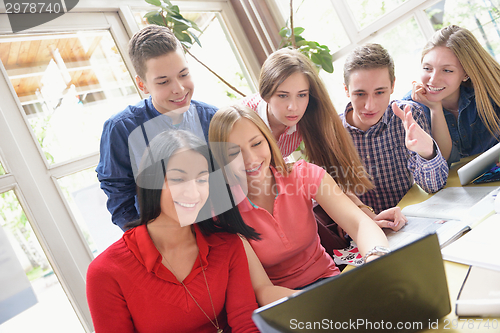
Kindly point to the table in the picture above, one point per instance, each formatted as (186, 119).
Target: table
(455, 273)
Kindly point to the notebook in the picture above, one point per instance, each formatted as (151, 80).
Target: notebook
(482, 165)
(403, 291)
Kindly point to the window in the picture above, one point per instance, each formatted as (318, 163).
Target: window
(62, 80)
(481, 17)
(68, 85)
(401, 26)
(66, 77)
(219, 53)
(406, 59)
(368, 11)
(88, 204)
(320, 20)
(35, 298)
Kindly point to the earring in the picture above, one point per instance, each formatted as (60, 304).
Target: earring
(466, 77)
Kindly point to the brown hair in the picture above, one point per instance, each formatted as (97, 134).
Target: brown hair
(327, 142)
(368, 56)
(222, 124)
(151, 41)
(479, 65)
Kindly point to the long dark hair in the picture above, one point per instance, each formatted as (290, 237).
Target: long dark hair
(320, 123)
(151, 178)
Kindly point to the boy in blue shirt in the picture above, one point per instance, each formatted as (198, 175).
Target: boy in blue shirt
(163, 73)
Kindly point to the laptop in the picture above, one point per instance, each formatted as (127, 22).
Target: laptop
(480, 165)
(403, 291)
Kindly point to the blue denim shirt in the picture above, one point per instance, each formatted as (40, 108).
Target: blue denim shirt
(468, 133)
(115, 171)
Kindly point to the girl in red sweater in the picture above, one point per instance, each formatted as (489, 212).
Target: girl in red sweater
(166, 274)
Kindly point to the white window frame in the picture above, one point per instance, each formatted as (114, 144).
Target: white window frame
(29, 174)
(384, 23)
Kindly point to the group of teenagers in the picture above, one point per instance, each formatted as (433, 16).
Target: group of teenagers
(217, 222)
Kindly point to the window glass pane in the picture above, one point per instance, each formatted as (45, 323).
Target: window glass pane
(219, 54)
(367, 11)
(406, 59)
(406, 62)
(88, 205)
(335, 84)
(29, 289)
(481, 17)
(2, 171)
(68, 85)
(320, 21)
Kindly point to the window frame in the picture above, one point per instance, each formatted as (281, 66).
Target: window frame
(35, 181)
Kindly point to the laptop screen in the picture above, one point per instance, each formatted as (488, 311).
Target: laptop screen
(403, 291)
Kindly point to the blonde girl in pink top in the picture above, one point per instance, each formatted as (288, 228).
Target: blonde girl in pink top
(278, 203)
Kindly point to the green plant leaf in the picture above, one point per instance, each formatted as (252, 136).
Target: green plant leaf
(298, 30)
(179, 26)
(167, 2)
(327, 66)
(176, 10)
(152, 13)
(298, 38)
(194, 25)
(166, 8)
(284, 32)
(195, 38)
(183, 37)
(156, 19)
(182, 20)
(316, 59)
(300, 43)
(326, 56)
(154, 2)
(324, 47)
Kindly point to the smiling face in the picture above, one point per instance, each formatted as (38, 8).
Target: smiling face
(289, 102)
(370, 93)
(168, 81)
(247, 139)
(186, 187)
(442, 75)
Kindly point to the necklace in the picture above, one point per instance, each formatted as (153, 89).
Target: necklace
(216, 324)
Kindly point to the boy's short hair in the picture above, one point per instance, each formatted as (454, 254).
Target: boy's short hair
(368, 56)
(151, 41)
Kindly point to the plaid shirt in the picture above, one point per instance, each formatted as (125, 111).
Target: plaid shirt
(392, 166)
(289, 140)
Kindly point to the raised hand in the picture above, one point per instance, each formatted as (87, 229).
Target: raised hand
(416, 138)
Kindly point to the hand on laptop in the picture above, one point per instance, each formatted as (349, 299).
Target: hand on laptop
(391, 218)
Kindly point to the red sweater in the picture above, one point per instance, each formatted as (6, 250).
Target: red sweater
(129, 290)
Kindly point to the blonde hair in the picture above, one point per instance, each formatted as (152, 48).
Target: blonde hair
(327, 142)
(479, 65)
(221, 126)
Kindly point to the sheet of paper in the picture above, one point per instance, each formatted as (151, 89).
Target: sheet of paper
(453, 203)
(480, 246)
(418, 227)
